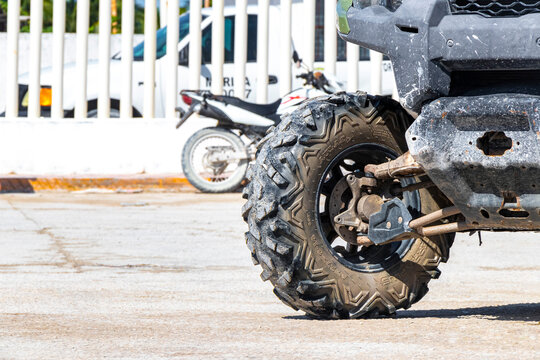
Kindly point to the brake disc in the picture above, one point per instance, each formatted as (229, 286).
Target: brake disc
(339, 203)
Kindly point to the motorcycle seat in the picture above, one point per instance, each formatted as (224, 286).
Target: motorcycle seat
(265, 110)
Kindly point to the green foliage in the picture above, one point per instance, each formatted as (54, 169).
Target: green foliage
(71, 16)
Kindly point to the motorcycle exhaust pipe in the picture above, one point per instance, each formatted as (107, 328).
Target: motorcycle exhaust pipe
(192, 109)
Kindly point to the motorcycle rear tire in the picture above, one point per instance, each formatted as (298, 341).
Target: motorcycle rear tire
(203, 185)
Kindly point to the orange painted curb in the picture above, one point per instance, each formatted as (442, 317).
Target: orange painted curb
(29, 184)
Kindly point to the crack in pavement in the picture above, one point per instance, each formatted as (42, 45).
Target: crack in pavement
(57, 241)
(67, 259)
(58, 245)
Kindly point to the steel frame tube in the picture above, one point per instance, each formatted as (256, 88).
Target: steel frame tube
(404, 165)
(434, 216)
(444, 229)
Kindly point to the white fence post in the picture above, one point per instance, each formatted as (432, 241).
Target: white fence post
(150, 17)
(83, 19)
(286, 48)
(126, 95)
(330, 37)
(262, 52)
(240, 48)
(59, 28)
(353, 57)
(104, 101)
(376, 59)
(34, 88)
(163, 12)
(309, 35)
(218, 43)
(12, 73)
(195, 38)
(172, 58)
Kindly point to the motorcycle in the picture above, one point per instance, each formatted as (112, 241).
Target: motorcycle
(215, 159)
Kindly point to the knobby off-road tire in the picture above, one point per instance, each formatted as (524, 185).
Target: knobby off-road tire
(281, 211)
(203, 185)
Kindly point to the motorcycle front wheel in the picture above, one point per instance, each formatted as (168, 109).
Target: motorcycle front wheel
(215, 160)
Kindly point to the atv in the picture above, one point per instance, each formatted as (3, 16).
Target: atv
(354, 200)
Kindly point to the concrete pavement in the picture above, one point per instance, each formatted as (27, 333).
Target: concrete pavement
(163, 275)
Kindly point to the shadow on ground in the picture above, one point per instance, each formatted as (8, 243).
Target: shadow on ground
(512, 312)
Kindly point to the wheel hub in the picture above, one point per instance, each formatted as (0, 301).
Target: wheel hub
(350, 197)
(217, 158)
(355, 213)
(338, 203)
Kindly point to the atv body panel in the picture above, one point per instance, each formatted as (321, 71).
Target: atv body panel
(439, 50)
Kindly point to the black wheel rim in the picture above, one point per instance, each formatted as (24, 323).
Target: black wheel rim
(360, 258)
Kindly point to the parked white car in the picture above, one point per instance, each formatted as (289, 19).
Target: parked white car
(116, 83)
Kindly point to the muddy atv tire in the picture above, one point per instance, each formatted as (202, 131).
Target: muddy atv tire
(288, 235)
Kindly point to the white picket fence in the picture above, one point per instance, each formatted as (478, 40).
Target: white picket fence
(170, 12)
(169, 15)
